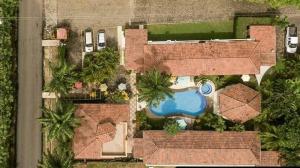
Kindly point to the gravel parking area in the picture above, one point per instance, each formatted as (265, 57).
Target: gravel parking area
(162, 11)
(95, 14)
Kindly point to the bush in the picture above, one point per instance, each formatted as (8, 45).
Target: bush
(100, 66)
(172, 127)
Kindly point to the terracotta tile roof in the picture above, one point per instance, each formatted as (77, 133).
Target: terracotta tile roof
(105, 132)
(97, 127)
(270, 159)
(209, 58)
(239, 103)
(266, 36)
(198, 148)
(134, 42)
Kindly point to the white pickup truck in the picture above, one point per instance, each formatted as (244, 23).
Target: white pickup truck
(291, 41)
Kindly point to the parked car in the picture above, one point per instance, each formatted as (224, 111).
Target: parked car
(88, 41)
(291, 41)
(101, 40)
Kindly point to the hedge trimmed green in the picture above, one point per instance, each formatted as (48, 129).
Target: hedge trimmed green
(8, 11)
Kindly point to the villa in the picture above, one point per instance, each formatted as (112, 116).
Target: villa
(102, 133)
(203, 148)
(192, 58)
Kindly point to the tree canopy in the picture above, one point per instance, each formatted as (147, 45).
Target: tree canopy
(280, 118)
(154, 86)
(63, 74)
(60, 122)
(100, 66)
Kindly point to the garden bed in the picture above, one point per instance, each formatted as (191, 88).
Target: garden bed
(191, 31)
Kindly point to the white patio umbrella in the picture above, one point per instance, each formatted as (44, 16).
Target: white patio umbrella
(246, 78)
(122, 86)
(182, 123)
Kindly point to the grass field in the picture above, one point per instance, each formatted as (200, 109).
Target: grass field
(241, 24)
(191, 31)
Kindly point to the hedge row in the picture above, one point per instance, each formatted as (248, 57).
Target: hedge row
(8, 12)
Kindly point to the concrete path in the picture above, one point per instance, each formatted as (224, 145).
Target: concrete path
(30, 83)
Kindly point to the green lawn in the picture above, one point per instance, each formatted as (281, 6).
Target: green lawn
(191, 31)
(241, 24)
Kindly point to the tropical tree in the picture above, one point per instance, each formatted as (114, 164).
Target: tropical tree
(61, 122)
(154, 87)
(59, 158)
(279, 121)
(100, 66)
(63, 75)
(172, 127)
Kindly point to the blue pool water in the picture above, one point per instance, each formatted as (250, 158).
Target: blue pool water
(189, 102)
(206, 88)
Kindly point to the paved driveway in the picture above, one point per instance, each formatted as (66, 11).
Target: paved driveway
(30, 84)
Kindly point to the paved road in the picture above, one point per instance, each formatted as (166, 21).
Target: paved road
(30, 83)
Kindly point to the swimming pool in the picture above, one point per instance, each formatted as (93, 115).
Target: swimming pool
(188, 102)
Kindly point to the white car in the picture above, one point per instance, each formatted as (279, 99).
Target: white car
(88, 41)
(100, 40)
(291, 41)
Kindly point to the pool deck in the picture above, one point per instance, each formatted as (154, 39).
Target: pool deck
(184, 84)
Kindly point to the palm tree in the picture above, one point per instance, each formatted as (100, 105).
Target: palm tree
(59, 158)
(154, 87)
(63, 75)
(61, 122)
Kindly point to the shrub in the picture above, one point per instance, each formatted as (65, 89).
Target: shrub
(172, 127)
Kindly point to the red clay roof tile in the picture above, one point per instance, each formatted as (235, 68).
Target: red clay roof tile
(239, 103)
(209, 58)
(270, 159)
(198, 148)
(96, 128)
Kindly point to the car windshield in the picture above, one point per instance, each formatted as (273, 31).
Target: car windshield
(101, 44)
(293, 45)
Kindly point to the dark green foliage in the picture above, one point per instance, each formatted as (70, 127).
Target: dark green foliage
(60, 122)
(237, 127)
(8, 13)
(210, 121)
(100, 66)
(63, 74)
(59, 158)
(280, 119)
(281, 22)
(154, 86)
(172, 127)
